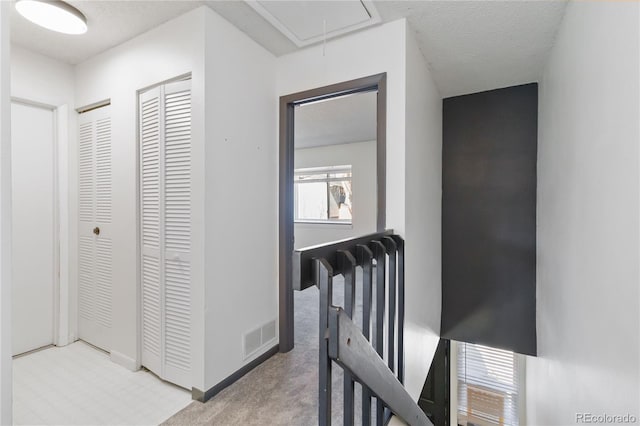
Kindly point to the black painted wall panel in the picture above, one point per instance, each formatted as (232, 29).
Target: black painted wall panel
(489, 218)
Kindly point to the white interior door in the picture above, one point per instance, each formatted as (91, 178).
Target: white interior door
(95, 274)
(165, 196)
(34, 245)
(152, 274)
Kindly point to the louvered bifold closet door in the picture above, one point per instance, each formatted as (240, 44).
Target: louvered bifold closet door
(150, 192)
(177, 232)
(165, 141)
(95, 272)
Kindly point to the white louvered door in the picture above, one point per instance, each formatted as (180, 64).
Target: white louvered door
(165, 198)
(95, 245)
(150, 134)
(177, 232)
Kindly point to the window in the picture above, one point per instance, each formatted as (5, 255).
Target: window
(323, 195)
(489, 385)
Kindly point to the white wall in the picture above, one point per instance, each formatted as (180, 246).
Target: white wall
(5, 218)
(241, 199)
(41, 79)
(362, 157)
(588, 230)
(170, 50)
(423, 224)
(37, 78)
(385, 49)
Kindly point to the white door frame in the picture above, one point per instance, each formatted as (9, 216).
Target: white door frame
(60, 219)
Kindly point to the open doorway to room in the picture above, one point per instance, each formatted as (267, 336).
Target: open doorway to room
(334, 189)
(332, 178)
(335, 152)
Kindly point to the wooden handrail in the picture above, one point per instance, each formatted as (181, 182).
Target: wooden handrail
(370, 353)
(349, 348)
(303, 258)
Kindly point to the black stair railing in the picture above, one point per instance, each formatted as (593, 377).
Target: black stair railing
(371, 353)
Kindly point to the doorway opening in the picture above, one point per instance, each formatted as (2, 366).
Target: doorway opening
(337, 179)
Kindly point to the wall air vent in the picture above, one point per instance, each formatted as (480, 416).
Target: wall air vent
(258, 338)
(307, 22)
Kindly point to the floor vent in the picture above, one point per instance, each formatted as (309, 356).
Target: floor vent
(258, 338)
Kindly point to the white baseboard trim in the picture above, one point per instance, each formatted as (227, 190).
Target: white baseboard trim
(125, 361)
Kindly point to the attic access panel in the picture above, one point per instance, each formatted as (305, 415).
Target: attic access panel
(305, 22)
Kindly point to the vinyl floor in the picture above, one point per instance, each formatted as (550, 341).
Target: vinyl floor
(79, 385)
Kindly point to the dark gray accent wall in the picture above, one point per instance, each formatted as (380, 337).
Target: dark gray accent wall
(489, 218)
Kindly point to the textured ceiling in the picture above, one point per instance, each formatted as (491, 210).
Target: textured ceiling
(110, 23)
(470, 45)
(336, 121)
(473, 46)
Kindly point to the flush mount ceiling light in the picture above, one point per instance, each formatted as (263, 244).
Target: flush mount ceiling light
(54, 15)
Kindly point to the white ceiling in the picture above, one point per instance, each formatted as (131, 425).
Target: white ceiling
(336, 121)
(470, 45)
(473, 46)
(110, 24)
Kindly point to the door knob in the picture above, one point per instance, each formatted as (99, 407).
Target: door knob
(96, 230)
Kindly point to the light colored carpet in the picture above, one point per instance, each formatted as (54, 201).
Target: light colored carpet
(284, 389)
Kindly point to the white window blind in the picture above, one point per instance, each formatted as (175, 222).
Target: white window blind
(488, 385)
